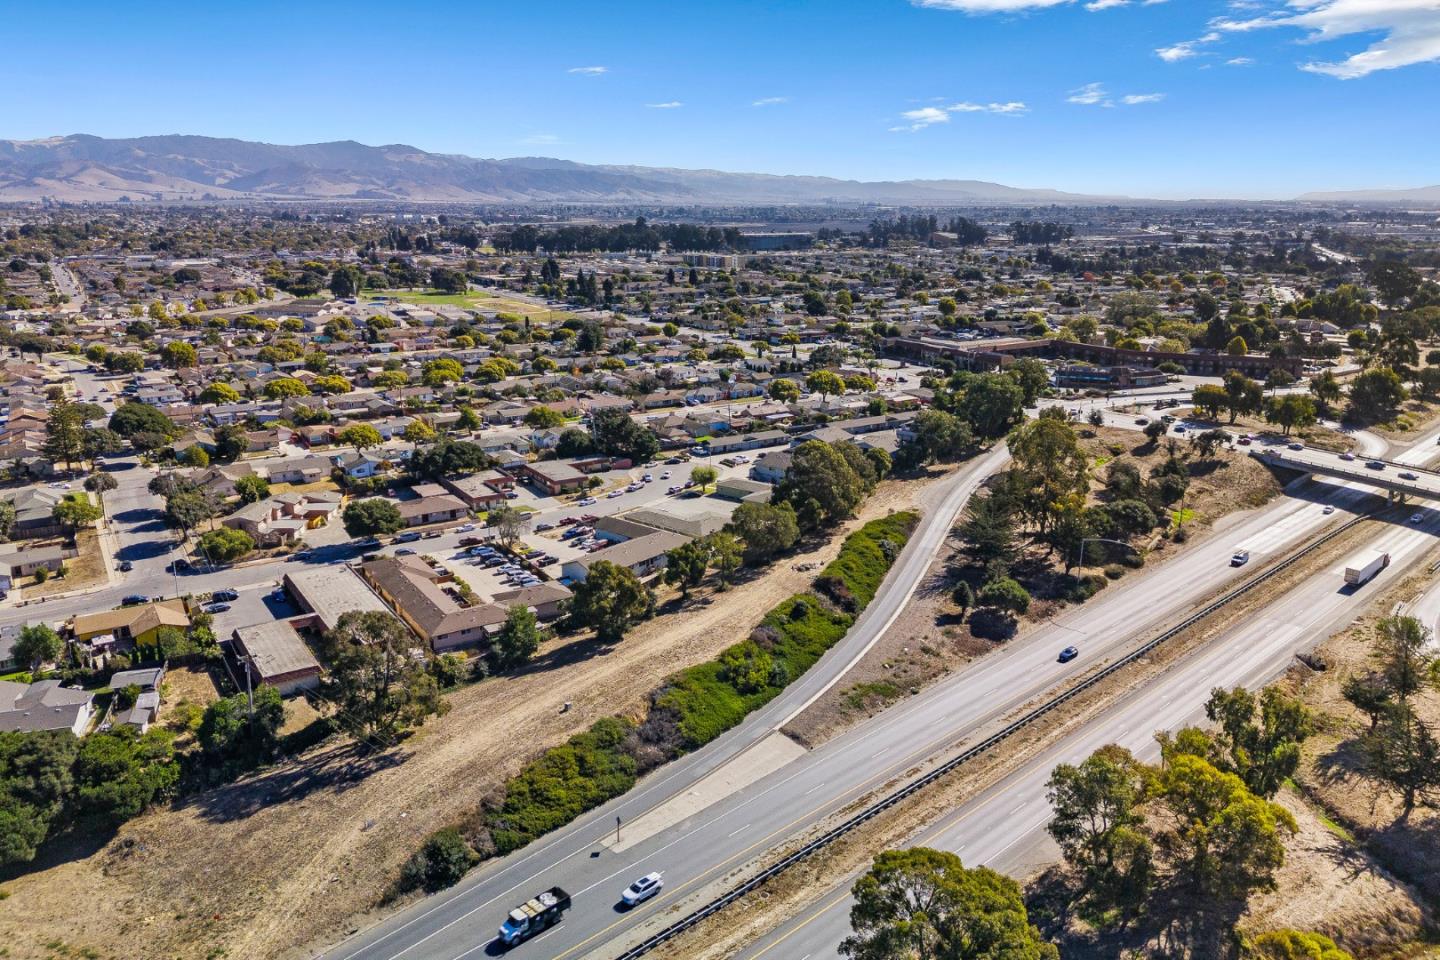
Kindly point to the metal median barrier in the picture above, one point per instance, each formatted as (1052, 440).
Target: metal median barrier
(915, 786)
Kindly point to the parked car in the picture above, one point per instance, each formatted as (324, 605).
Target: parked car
(566, 521)
(470, 541)
(665, 475)
(404, 552)
(126, 566)
(614, 493)
(642, 889)
(647, 478)
(542, 527)
(409, 536)
(217, 607)
(225, 596)
(133, 599)
(1068, 654)
(586, 501)
(465, 528)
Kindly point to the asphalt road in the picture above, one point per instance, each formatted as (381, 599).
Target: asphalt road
(697, 852)
(1004, 826)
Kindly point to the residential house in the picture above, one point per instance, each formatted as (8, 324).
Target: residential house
(44, 705)
(146, 707)
(412, 588)
(137, 625)
(554, 477)
(771, 465)
(432, 509)
(638, 548)
(35, 512)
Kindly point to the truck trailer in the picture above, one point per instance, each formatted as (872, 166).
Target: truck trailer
(1363, 566)
(534, 915)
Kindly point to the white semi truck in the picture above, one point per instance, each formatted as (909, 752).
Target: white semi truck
(1363, 566)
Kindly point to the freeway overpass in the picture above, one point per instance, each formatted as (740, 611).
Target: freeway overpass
(1398, 479)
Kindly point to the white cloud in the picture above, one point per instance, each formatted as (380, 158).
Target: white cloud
(1239, 62)
(589, 71)
(667, 105)
(1187, 49)
(1095, 95)
(1090, 95)
(922, 117)
(769, 101)
(1410, 28)
(1097, 5)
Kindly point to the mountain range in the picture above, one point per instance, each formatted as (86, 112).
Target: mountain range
(191, 168)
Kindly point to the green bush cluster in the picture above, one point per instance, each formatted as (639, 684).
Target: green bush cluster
(564, 782)
(867, 555)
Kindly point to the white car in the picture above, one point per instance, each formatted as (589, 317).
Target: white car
(665, 475)
(586, 501)
(642, 889)
(1416, 518)
(1329, 508)
(614, 493)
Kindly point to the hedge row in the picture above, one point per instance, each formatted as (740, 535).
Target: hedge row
(692, 708)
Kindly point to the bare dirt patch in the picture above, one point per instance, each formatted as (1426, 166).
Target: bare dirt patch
(81, 572)
(298, 854)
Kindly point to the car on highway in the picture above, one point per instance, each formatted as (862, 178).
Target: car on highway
(1240, 558)
(642, 889)
(1407, 475)
(1068, 654)
(1374, 465)
(1347, 456)
(1296, 446)
(1329, 508)
(1416, 518)
(216, 607)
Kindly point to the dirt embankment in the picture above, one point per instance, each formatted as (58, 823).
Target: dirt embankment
(299, 854)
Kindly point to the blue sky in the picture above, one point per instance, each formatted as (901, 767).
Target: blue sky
(1186, 98)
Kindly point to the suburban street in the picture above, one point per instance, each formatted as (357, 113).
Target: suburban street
(708, 814)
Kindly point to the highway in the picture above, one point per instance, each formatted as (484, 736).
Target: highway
(703, 817)
(1399, 478)
(1003, 827)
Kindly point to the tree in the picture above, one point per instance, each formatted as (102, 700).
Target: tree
(252, 488)
(331, 384)
(360, 437)
(1100, 829)
(231, 734)
(1208, 442)
(419, 431)
(988, 534)
(686, 565)
(1237, 347)
(444, 859)
(725, 555)
(74, 512)
(1032, 376)
(766, 529)
(519, 637)
(446, 457)
(230, 442)
(37, 643)
(193, 456)
(937, 436)
(784, 390)
(820, 485)
(1242, 394)
(704, 477)
(1224, 840)
(347, 280)
(1399, 748)
(1262, 749)
(824, 382)
(542, 417)
(64, 434)
(508, 522)
(283, 387)
(101, 484)
(187, 508)
(992, 403)
(1291, 410)
(225, 545)
(1209, 400)
(120, 772)
(1394, 281)
(35, 781)
(7, 519)
(964, 597)
(380, 687)
(1154, 430)
(443, 370)
(372, 517)
(177, 354)
(1049, 465)
(1375, 394)
(610, 599)
(923, 903)
(1005, 595)
(616, 434)
(135, 417)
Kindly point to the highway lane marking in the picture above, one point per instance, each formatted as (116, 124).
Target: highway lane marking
(803, 924)
(812, 789)
(733, 832)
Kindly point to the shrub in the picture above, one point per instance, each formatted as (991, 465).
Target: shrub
(1114, 571)
(564, 782)
(440, 863)
(863, 560)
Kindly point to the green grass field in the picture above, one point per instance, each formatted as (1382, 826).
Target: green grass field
(474, 300)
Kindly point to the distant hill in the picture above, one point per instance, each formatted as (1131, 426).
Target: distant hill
(1418, 196)
(86, 168)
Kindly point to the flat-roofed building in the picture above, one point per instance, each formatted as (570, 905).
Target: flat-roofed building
(325, 593)
(276, 656)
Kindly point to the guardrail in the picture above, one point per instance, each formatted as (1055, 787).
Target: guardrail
(949, 766)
